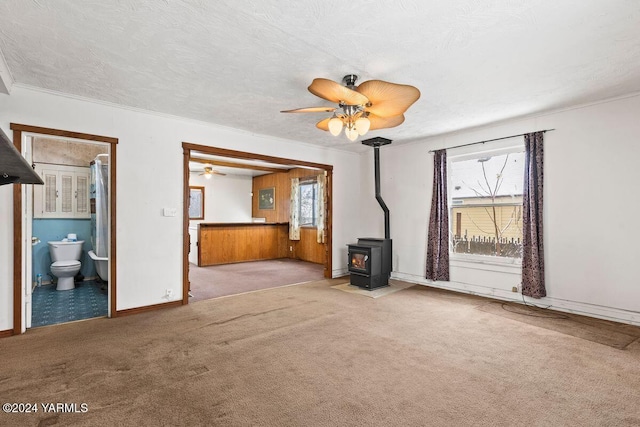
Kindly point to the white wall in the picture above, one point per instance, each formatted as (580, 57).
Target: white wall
(150, 245)
(591, 199)
(6, 256)
(226, 199)
(370, 213)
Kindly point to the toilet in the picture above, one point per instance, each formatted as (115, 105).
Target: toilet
(66, 262)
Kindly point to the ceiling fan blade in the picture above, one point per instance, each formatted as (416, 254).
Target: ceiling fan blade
(378, 122)
(388, 99)
(215, 172)
(335, 92)
(323, 124)
(311, 110)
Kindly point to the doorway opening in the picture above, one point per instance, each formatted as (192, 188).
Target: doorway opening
(64, 230)
(237, 209)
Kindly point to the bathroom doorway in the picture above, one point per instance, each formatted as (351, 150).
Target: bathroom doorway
(66, 228)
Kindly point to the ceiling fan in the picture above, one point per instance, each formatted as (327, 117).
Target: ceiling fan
(374, 104)
(209, 172)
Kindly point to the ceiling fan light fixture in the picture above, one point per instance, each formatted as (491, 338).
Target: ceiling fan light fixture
(335, 125)
(374, 104)
(351, 133)
(362, 125)
(208, 171)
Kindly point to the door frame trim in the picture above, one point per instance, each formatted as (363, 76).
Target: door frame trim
(187, 147)
(18, 129)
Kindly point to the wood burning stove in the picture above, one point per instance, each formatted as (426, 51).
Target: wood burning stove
(364, 266)
(369, 260)
(369, 263)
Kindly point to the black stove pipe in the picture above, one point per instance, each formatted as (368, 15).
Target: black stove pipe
(385, 209)
(376, 143)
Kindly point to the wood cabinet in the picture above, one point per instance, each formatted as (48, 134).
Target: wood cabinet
(229, 243)
(65, 193)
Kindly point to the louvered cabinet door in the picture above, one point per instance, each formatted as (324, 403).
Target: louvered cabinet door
(81, 195)
(65, 193)
(46, 203)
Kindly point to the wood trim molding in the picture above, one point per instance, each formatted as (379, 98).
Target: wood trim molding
(18, 129)
(328, 266)
(63, 133)
(236, 165)
(252, 156)
(186, 244)
(6, 333)
(146, 308)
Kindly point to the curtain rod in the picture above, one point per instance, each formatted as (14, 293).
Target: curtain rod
(490, 140)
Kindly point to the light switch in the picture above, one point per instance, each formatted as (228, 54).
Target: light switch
(170, 212)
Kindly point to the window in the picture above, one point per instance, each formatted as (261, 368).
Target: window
(309, 203)
(196, 202)
(486, 203)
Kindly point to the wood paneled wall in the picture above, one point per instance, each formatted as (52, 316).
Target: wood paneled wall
(237, 243)
(307, 248)
(282, 184)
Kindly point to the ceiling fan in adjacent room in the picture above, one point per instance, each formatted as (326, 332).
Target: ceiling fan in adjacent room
(374, 104)
(209, 172)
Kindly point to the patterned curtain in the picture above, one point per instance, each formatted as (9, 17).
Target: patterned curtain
(532, 246)
(438, 238)
(321, 206)
(294, 214)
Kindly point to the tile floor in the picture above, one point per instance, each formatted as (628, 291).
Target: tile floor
(87, 300)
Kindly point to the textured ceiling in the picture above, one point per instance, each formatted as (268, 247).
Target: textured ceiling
(238, 63)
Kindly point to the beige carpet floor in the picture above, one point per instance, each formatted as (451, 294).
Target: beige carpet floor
(310, 355)
(232, 279)
(597, 330)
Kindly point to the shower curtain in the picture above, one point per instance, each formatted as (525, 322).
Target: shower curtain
(99, 215)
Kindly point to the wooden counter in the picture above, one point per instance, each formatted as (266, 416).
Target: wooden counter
(224, 243)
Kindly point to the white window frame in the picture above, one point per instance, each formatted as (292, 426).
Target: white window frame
(507, 146)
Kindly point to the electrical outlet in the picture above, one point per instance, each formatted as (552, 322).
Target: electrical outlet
(169, 293)
(514, 289)
(290, 248)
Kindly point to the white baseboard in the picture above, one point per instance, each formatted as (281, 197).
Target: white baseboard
(339, 272)
(575, 307)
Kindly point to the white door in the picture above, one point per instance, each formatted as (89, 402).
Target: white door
(27, 223)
